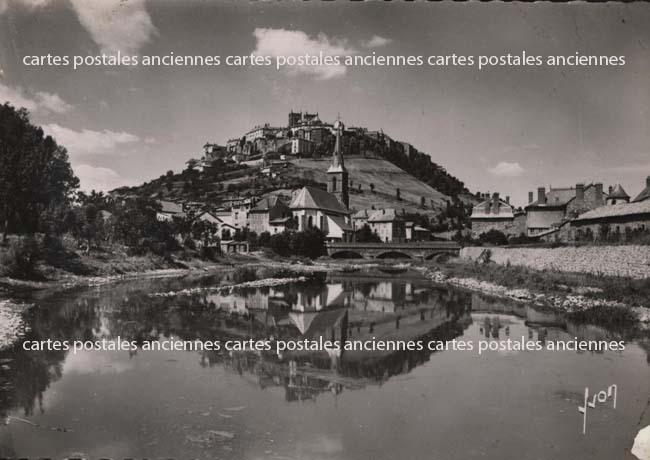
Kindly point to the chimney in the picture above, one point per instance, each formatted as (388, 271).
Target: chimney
(495, 203)
(508, 199)
(530, 197)
(610, 190)
(541, 195)
(580, 192)
(599, 192)
(647, 181)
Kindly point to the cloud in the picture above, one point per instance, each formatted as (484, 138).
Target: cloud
(38, 102)
(98, 178)
(505, 169)
(114, 25)
(88, 142)
(282, 42)
(31, 4)
(376, 42)
(52, 103)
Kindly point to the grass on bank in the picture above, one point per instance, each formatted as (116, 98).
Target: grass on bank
(630, 291)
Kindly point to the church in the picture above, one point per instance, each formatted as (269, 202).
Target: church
(328, 210)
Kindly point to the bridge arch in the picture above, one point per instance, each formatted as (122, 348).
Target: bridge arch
(395, 254)
(346, 254)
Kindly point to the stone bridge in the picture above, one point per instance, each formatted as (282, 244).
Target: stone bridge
(424, 250)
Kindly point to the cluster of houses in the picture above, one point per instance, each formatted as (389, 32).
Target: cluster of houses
(583, 212)
(309, 207)
(302, 136)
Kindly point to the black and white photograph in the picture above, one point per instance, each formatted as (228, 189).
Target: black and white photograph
(324, 230)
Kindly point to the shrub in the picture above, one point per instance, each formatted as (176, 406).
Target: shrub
(310, 243)
(366, 235)
(494, 237)
(280, 243)
(21, 258)
(244, 275)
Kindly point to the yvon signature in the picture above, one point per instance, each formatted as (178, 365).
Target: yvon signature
(598, 398)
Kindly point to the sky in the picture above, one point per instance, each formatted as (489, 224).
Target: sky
(505, 129)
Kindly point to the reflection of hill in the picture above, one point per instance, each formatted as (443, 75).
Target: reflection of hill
(341, 309)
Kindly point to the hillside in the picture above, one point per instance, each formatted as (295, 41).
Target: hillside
(386, 178)
(212, 187)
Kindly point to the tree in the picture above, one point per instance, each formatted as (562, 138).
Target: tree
(398, 194)
(372, 187)
(494, 237)
(310, 243)
(366, 235)
(35, 174)
(423, 202)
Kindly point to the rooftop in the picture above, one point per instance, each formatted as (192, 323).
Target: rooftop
(315, 198)
(617, 210)
(383, 215)
(267, 203)
(484, 210)
(644, 195)
(170, 207)
(618, 192)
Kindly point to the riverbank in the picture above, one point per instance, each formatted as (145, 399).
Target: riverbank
(583, 296)
(591, 297)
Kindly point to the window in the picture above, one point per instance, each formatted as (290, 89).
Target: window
(334, 184)
(310, 221)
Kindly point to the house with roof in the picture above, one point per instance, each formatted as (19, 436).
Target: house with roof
(360, 218)
(612, 222)
(224, 225)
(268, 209)
(315, 208)
(169, 210)
(387, 225)
(617, 220)
(558, 205)
(415, 232)
(494, 213)
(326, 210)
(617, 195)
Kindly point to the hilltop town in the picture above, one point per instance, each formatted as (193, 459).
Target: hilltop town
(349, 182)
(362, 185)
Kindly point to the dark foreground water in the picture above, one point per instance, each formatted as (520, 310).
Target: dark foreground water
(316, 405)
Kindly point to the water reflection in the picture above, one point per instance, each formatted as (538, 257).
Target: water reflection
(350, 307)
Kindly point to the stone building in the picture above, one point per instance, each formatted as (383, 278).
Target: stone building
(169, 210)
(301, 147)
(559, 204)
(268, 209)
(387, 225)
(616, 195)
(315, 208)
(495, 214)
(615, 222)
(416, 233)
(326, 210)
(302, 118)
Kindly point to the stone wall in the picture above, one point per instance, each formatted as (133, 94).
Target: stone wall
(616, 227)
(510, 227)
(630, 261)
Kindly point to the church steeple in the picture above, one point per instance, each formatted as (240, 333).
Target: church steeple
(337, 175)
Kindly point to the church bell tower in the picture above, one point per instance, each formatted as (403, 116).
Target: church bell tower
(337, 175)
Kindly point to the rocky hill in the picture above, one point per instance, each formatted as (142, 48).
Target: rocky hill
(383, 173)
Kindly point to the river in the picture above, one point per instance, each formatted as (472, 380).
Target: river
(450, 405)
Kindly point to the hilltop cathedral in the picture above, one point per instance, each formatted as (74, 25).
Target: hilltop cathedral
(328, 210)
